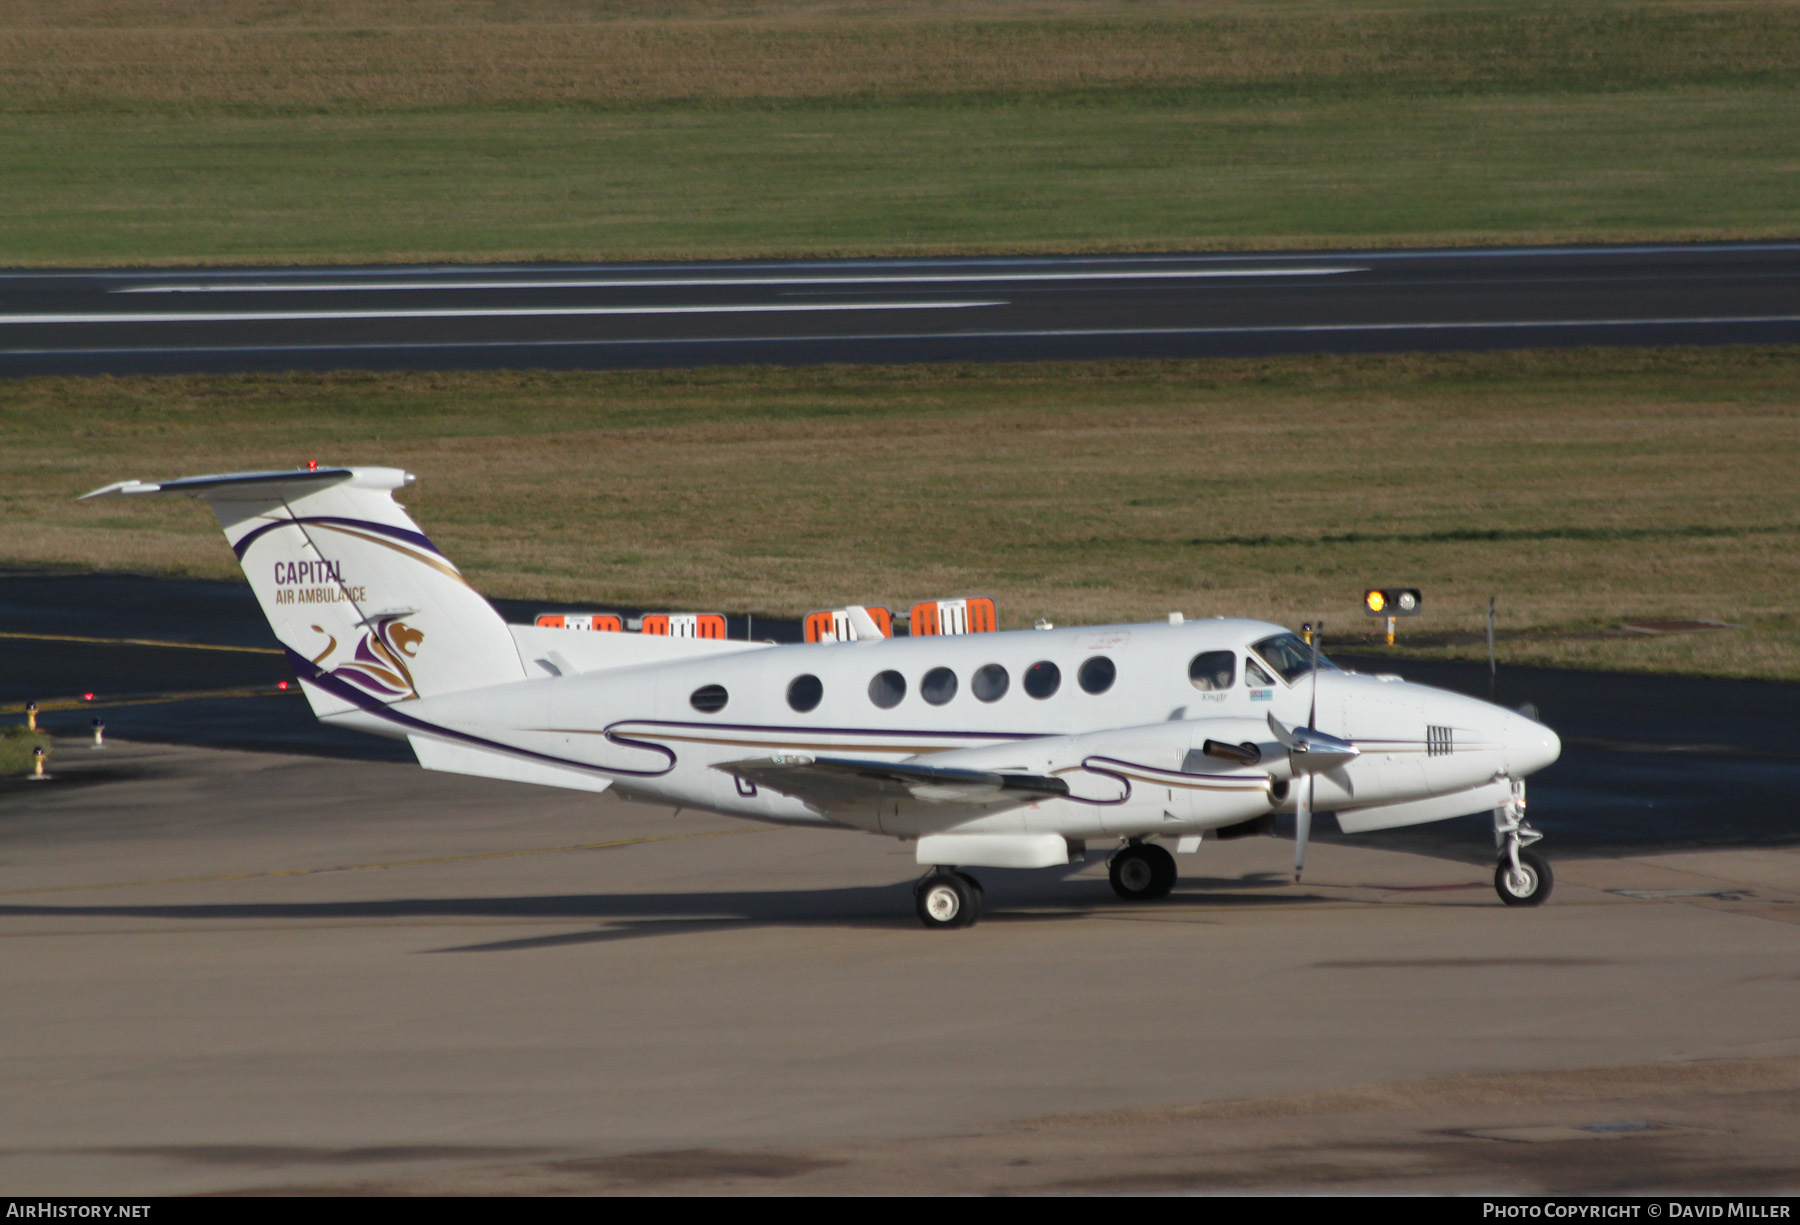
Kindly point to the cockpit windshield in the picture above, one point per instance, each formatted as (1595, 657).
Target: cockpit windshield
(1290, 655)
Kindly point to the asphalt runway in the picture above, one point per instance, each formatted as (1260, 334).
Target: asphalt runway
(603, 316)
(1649, 762)
(243, 972)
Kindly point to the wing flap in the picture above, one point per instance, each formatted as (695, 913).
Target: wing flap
(828, 783)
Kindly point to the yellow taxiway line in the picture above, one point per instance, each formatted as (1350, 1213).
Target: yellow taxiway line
(143, 642)
(153, 699)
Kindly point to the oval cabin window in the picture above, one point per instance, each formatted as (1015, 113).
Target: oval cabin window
(1097, 674)
(938, 687)
(1042, 679)
(804, 692)
(887, 689)
(709, 699)
(990, 683)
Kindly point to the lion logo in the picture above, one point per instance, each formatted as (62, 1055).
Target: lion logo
(378, 665)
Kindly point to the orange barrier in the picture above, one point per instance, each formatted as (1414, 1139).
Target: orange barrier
(833, 624)
(610, 623)
(971, 615)
(685, 625)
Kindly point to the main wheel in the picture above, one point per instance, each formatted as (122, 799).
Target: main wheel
(1141, 872)
(1529, 886)
(979, 894)
(1164, 865)
(946, 900)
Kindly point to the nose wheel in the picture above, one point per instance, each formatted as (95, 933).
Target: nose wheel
(1526, 884)
(1522, 877)
(948, 899)
(1142, 872)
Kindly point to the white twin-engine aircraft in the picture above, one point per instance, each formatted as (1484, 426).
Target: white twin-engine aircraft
(1009, 750)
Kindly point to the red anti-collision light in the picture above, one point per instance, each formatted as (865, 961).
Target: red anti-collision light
(87, 697)
(281, 685)
(312, 465)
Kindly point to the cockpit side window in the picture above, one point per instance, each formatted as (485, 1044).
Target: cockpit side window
(1255, 677)
(1291, 656)
(1213, 670)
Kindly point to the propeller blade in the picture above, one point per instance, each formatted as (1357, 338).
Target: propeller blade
(1302, 823)
(1279, 730)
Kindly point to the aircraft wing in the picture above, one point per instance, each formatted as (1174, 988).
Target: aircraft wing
(828, 783)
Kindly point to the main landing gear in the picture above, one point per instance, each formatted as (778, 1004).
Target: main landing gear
(1141, 872)
(948, 899)
(1522, 877)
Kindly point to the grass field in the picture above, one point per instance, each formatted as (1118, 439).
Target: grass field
(16, 745)
(182, 131)
(1582, 487)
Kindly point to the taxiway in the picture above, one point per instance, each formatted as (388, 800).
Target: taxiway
(233, 971)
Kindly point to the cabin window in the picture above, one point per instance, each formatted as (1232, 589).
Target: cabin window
(1255, 677)
(990, 683)
(938, 686)
(804, 692)
(1213, 670)
(887, 689)
(709, 699)
(1097, 674)
(1042, 679)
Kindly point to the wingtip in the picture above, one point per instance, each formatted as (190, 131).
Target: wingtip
(131, 486)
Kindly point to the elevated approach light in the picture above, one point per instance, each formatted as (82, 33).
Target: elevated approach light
(1391, 602)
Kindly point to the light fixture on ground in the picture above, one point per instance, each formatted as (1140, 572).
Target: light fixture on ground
(1391, 602)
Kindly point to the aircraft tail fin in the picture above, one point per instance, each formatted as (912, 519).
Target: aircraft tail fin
(367, 608)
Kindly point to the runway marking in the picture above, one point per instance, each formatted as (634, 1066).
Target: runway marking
(398, 863)
(847, 338)
(154, 699)
(759, 308)
(680, 282)
(143, 642)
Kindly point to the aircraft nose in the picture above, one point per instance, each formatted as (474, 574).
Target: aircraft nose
(1530, 746)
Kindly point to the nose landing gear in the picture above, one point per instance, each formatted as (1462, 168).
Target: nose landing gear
(1522, 877)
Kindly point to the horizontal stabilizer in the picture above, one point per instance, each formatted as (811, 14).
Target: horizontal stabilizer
(829, 783)
(257, 484)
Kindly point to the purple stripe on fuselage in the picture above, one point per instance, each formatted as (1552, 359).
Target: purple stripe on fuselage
(310, 672)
